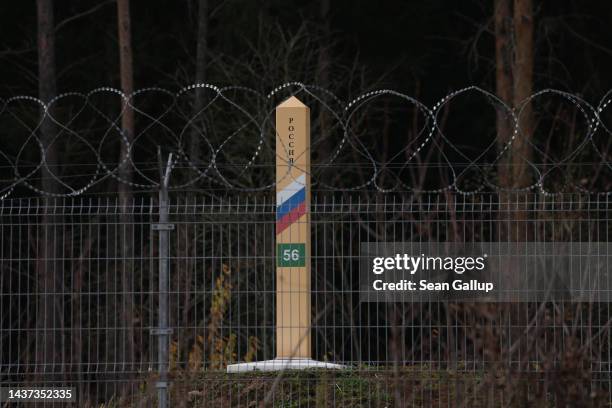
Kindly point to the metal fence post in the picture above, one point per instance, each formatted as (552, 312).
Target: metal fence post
(163, 331)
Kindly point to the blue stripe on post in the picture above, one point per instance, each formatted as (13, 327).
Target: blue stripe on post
(291, 203)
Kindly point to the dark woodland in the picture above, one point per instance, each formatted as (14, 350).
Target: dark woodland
(519, 152)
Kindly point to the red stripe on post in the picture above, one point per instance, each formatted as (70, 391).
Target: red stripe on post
(290, 218)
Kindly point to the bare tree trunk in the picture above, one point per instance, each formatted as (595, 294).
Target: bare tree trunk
(126, 227)
(325, 146)
(503, 83)
(49, 322)
(200, 77)
(523, 87)
(522, 152)
(514, 55)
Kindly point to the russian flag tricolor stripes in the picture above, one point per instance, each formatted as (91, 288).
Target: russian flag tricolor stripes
(290, 203)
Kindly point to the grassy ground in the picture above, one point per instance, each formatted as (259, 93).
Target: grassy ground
(406, 387)
(321, 388)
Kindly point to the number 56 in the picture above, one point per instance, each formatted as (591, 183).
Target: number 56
(291, 254)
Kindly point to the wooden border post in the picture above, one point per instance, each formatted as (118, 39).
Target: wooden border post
(293, 230)
(293, 325)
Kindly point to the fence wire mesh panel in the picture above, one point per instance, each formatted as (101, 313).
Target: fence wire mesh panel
(196, 272)
(78, 312)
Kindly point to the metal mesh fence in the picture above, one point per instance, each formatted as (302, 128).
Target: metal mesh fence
(125, 298)
(65, 304)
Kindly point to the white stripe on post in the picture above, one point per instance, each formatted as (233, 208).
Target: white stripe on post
(291, 189)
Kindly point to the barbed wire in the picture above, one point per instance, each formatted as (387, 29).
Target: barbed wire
(230, 141)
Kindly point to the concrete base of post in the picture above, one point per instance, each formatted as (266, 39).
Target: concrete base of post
(280, 364)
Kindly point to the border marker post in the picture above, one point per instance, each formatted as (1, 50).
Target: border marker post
(293, 246)
(293, 230)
